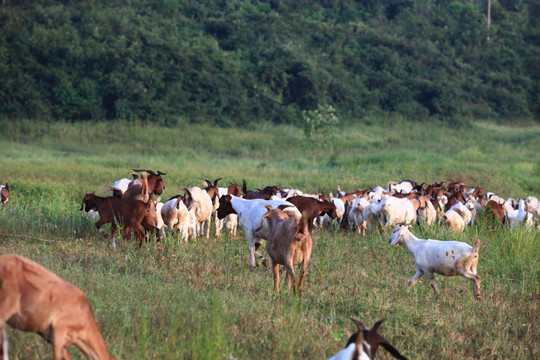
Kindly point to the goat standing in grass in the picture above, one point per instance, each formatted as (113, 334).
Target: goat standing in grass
(289, 244)
(449, 258)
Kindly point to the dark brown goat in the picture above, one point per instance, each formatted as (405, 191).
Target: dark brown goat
(130, 212)
(495, 211)
(265, 193)
(313, 208)
(155, 185)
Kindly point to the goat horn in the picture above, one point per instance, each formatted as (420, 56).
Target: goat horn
(377, 324)
(358, 323)
(159, 172)
(208, 182)
(216, 181)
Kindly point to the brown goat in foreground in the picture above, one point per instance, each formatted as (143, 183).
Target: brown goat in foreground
(289, 244)
(34, 299)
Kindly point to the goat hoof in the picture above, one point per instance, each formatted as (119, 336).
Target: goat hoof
(266, 263)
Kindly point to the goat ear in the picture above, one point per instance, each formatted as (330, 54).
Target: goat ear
(392, 350)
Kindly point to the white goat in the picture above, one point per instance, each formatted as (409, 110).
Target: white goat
(230, 222)
(356, 215)
(250, 213)
(397, 210)
(449, 258)
(404, 187)
(175, 216)
(464, 211)
(522, 216)
(454, 220)
(203, 210)
(534, 204)
(428, 214)
(371, 213)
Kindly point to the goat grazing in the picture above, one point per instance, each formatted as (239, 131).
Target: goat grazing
(449, 258)
(453, 220)
(363, 344)
(289, 244)
(34, 299)
(4, 193)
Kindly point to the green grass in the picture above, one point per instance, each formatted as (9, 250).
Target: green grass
(201, 301)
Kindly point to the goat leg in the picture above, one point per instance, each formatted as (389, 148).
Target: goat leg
(414, 279)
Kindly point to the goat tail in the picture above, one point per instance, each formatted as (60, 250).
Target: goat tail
(476, 246)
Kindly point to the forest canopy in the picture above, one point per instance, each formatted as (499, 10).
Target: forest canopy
(235, 62)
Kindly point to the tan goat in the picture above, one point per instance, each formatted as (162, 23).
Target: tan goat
(289, 244)
(34, 299)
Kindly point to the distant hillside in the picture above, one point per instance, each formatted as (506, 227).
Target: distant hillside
(237, 61)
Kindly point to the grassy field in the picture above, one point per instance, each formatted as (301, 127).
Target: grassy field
(201, 301)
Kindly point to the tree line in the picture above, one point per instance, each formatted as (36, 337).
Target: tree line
(234, 62)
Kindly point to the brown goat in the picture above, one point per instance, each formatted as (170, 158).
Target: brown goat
(313, 208)
(234, 189)
(155, 185)
(496, 211)
(34, 299)
(131, 212)
(289, 244)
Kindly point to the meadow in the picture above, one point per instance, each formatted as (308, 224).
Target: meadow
(201, 301)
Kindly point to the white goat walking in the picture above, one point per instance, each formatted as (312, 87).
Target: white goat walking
(449, 258)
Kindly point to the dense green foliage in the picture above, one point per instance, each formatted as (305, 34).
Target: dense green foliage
(239, 61)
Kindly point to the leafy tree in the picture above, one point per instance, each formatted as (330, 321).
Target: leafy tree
(318, 126)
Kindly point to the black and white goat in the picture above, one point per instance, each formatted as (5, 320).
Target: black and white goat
(363, 344)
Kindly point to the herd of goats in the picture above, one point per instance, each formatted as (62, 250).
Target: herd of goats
(285, 218)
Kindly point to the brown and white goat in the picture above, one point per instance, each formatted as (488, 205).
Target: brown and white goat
(4, 193)
(289, 244)
(34, 299)
(129, 211)
(363, 344)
